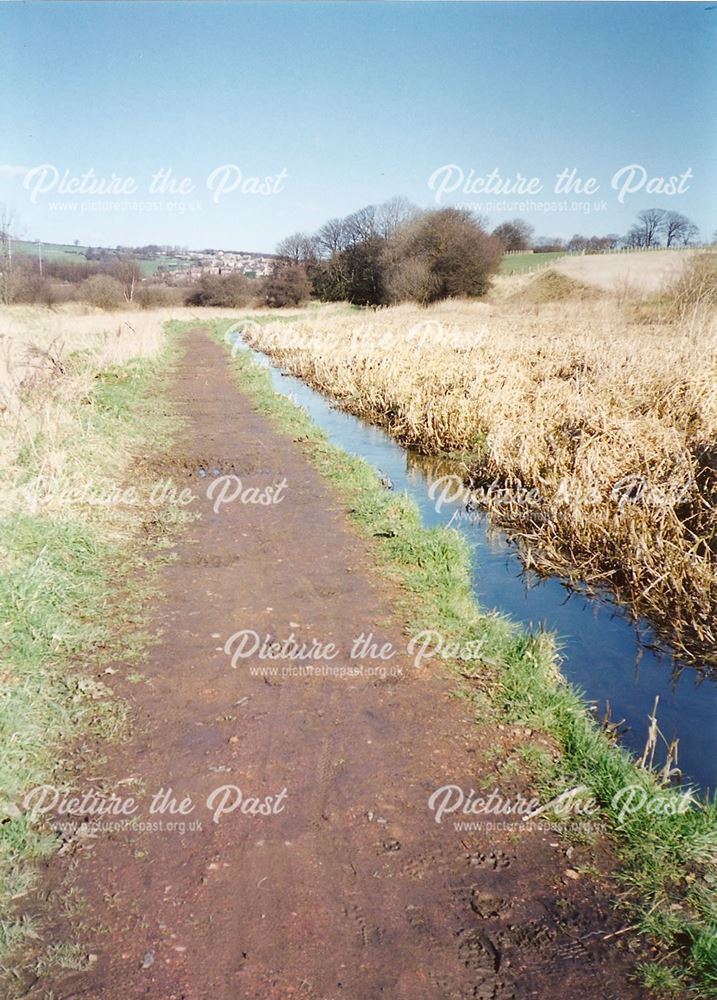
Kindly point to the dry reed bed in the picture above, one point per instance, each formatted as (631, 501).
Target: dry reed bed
(49, 362)
(613, 426)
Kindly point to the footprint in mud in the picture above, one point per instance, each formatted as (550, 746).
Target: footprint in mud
(483, 959)
(536, 934)
(203, 467)
(540, 944)
(478, 952)
(588, 919)
(389, 681)
(485, 905)
(418, 920)
(571, 950)
(492, 991)
(367, 935)
(530, 945)
(446, 989)
(495, 860)
(427, 865)
(218, 561)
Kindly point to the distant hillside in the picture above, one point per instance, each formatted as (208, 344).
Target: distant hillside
(153, 259)
(71, 254)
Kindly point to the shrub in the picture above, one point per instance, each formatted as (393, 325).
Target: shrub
(103, 291)
(157, 296)
(221, 290)
(287, 285)
(449, 254)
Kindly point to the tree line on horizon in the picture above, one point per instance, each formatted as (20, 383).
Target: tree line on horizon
(654, 227)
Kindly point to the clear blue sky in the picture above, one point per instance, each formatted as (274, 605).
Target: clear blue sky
(356, 102)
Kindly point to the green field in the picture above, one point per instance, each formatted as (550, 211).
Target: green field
(519, 263)
(50, 251)
(71, 254)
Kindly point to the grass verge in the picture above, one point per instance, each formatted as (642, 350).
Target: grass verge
(667, 854)
(74, 588)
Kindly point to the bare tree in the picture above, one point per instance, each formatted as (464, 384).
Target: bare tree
(678, 229)
(633, 238)
(393, 214)
(647, 230)
(516, 234)
(578, 243)
(361, 226)
(548, 244)
(331, 238)
(299, 248)
(593, 244)
(129, 273)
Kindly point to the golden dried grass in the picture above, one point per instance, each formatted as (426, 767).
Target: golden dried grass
(50, 361)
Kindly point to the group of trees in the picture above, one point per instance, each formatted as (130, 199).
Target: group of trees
(387, 253)
(654, 227)
(657, 227)
(114, 281)
(516, 235)
(593, 244)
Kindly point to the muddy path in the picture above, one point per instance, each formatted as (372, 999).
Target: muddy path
(348, 888)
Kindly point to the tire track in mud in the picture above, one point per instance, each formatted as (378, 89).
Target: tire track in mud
(352, 890)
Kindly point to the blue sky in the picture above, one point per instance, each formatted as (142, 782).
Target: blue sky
(343, 104)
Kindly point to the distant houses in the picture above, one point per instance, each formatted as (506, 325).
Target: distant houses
(193, 264)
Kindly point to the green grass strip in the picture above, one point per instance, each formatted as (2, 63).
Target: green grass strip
(73, 598)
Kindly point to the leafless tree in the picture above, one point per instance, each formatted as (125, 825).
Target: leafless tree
(516, 234)
(331, 238)
(678, 229)
(393, 214)
(593, 244)
(647, 230)
(299, 248)
(129, 273)
(361, 226)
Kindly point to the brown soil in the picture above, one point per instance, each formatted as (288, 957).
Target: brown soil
(352, 890)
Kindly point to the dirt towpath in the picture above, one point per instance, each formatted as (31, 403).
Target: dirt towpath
(349, 888)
